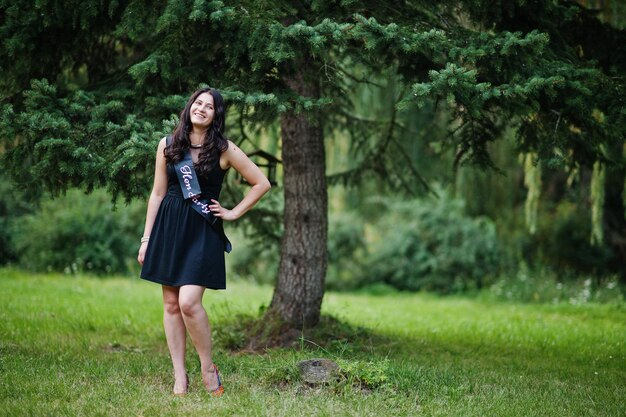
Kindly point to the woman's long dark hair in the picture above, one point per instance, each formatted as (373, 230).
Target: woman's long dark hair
(214, 142)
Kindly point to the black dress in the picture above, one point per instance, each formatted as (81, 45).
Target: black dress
(184, 249)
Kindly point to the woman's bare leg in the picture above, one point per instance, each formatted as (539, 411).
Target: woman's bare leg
(175, 333)
(197, 323)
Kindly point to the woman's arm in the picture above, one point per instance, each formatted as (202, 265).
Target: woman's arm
(236, 158)
(156, 196)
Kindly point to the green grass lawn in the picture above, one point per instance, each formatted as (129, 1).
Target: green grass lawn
(95, 346)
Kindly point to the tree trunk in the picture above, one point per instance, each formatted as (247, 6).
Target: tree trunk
(303, 254)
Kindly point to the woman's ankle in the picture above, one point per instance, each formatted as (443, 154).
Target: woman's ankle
(207, 367)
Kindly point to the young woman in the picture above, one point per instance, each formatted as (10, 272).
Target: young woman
(183, 243)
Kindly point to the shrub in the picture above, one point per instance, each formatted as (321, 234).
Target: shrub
(252, 258)
(256, 237)
(346, 250)
(13, 205)
(431, 244)
(257, 257)
(78, 232)
(562, 243)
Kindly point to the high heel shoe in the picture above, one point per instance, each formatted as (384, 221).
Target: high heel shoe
(183, 393)
(220, 388)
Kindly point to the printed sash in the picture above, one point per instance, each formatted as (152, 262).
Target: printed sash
(188, 181)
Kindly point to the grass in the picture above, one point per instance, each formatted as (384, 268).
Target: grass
(78, 345)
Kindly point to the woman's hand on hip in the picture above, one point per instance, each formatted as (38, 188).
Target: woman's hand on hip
(221, 212)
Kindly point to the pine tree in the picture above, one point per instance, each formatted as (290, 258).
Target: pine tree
(89, 87)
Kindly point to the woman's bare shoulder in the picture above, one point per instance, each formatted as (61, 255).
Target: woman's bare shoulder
(232, 148)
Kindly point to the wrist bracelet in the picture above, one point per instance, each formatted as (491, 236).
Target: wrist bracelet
(144, 239)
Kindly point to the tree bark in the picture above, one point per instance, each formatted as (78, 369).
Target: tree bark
(303, 255)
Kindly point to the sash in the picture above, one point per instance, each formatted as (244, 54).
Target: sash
(188, 181)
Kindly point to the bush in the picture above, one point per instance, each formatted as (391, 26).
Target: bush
(346, 251)
(562, 243)
(79, 233)
(427, 244)
(13, 205)
(256, 236)
(253, 259)
(257, 257)
(430, 244)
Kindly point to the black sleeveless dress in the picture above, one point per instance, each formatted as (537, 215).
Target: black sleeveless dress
(184, 249)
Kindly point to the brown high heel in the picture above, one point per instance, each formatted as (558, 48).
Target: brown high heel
(217, 392)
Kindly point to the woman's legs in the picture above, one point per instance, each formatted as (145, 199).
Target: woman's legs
(175, 333)
(197, 323)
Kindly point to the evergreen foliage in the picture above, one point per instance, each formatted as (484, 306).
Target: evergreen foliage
(107, 73)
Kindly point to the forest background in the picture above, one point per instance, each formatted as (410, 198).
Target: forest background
(418, 198)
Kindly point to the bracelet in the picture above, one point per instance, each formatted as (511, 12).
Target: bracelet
(144, 239)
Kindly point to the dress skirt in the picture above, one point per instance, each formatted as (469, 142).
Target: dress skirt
(184, 249)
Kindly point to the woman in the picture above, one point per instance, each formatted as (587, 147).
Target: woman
(183, 242)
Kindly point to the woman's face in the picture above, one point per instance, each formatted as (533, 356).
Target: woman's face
(202, 111)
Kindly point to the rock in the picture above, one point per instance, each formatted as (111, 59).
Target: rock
(318, 371)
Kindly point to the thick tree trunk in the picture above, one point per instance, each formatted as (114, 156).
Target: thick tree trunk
(303, 255)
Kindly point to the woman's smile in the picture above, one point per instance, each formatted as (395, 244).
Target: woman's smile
(202, 110)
